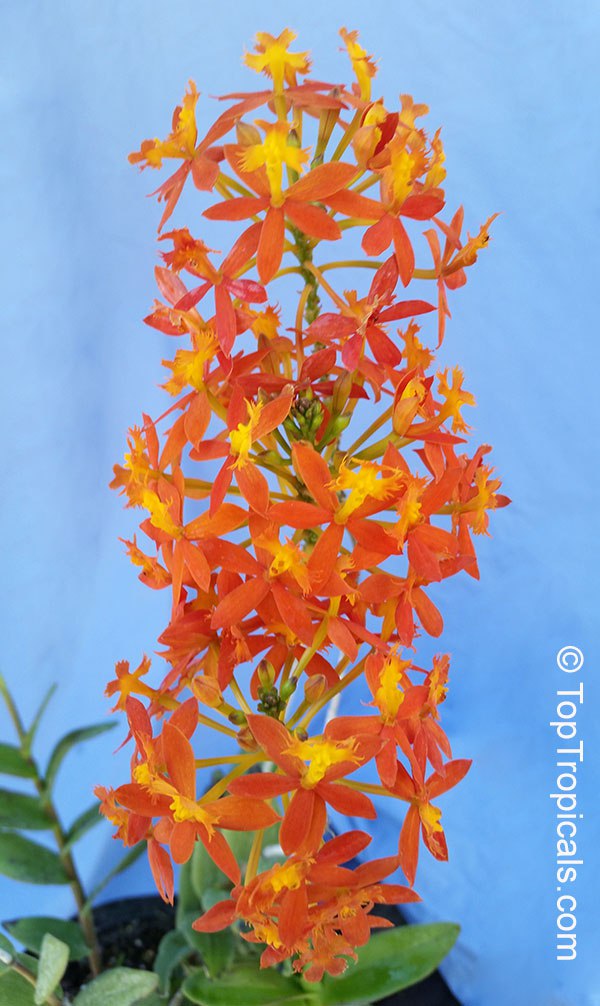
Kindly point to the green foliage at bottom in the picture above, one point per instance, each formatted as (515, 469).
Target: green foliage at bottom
(391, 961)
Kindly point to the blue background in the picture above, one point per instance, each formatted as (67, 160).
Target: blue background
(516, 88)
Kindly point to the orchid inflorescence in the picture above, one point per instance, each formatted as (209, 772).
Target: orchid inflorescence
(285, 547)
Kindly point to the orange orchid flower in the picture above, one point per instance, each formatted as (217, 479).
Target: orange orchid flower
(314, 785)
(423, 818)
(293, 204)
(171, 795)
(302, 560)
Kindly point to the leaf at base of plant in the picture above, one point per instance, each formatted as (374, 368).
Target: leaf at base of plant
(118, 987)
(31, 931)
(248, 986)
(54, 957)
(391, 961)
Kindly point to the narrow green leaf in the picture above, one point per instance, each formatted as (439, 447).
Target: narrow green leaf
(129, 858)
(30, 735)
(391, 961)
(217, 950)
(198, 874)
(172, 950)
(247, 985)
(30, 932)
(12, 762)
(212, 895)
(65, 744)
(83, 823)
(117, 987)
(15, 990)
(22, 859)
(7, 953)
(187, 900)
(20, 811)
(54, 957)
(29, 962)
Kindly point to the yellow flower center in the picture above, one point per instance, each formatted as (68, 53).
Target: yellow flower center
(185, 809)
(389, 696)
(363, 483)
(143, 775)
(362, 64)
(455, 398)
(241, 438)
(273, 58)
(321, 755)
(286, 876)
(267, 932)
(188, 364)
(160, 516)
(288, 558)
(401, 175)
(136, 459)
(273, 153)
(430, 816)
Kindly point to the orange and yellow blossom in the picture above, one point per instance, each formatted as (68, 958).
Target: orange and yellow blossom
(289, 525)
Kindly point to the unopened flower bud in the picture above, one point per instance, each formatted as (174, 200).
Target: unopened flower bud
(207, 691)
(266, 674)
(315, 687)
(341, 391)
(327, 122)
(288, 688)
(245, 739)
(237, 717)
(338, 425)
(247, 135)
(302, 405)
(314, 419)
(405, 410)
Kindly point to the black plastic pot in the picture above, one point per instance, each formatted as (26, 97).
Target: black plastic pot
(129, 932)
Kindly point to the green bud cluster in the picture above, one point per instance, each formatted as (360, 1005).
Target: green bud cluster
(304, 419)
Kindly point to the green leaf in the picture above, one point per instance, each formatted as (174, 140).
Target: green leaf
(129, 858)
(82, 824)
(15, 990)
(172, 950)
(30, 932)
(118, 987)
(205, 874)
(217, 950)
(30, 735)
(391, 961)
(154, 999)
(247, 985)
(7, 953)
(202, 873)
(212, 896)
(187, 900)
(20, 811)
(67, 742)
(12, 762)
(22, 859)
(54, 958)
(29, 962)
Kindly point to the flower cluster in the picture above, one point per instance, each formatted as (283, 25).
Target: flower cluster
(279, 545)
